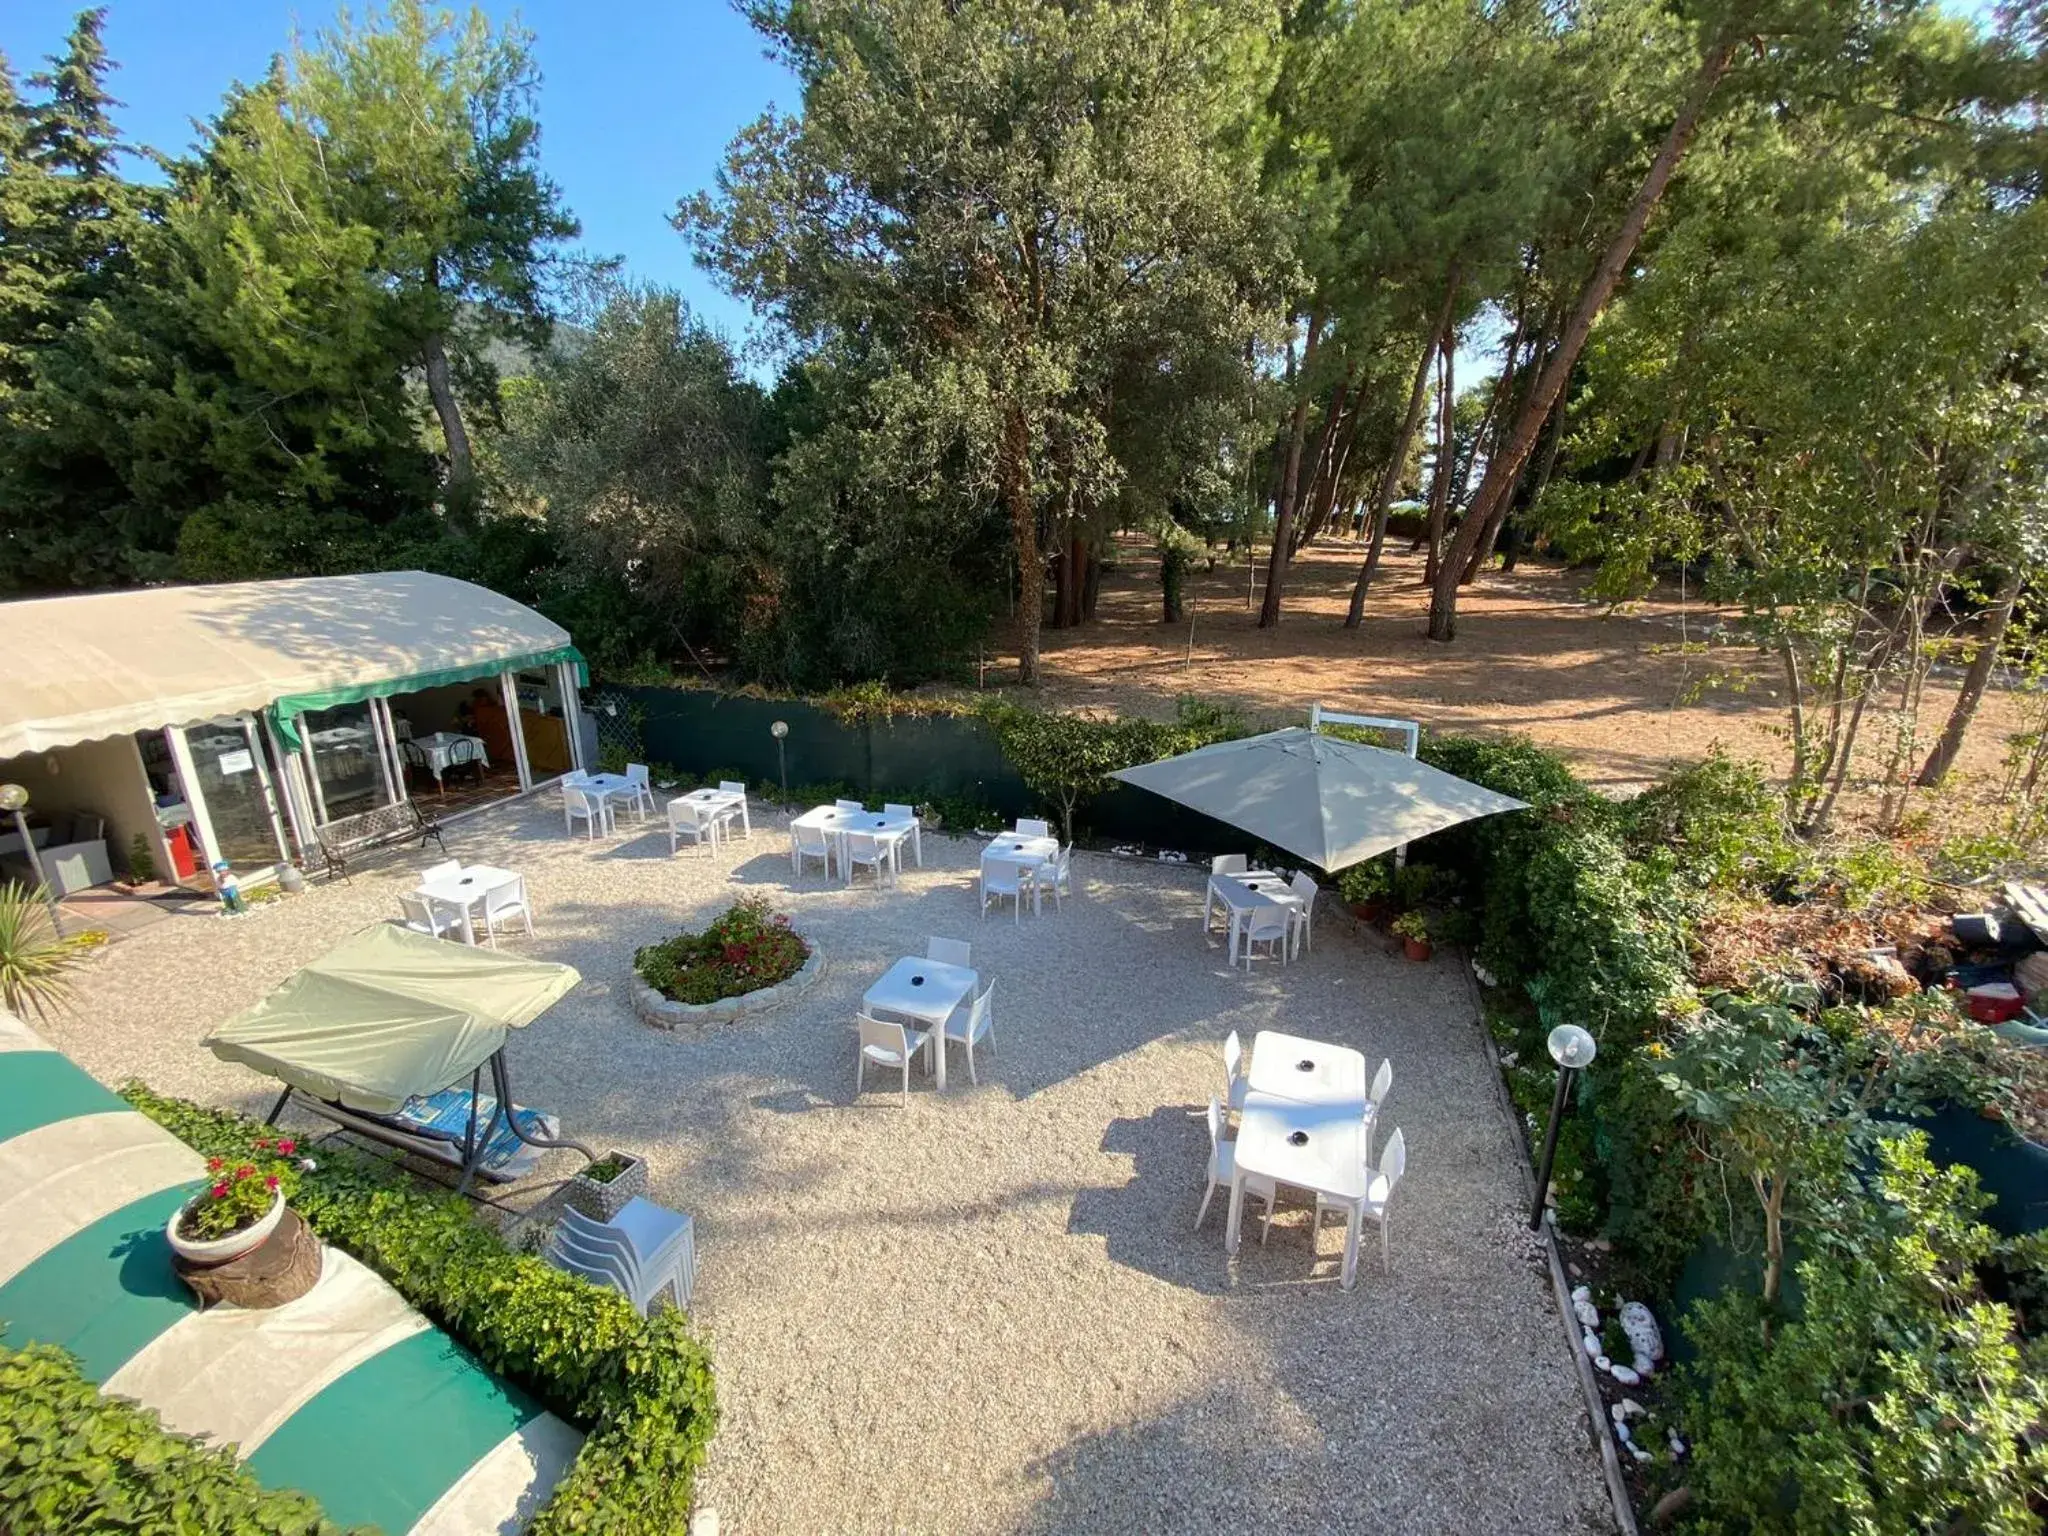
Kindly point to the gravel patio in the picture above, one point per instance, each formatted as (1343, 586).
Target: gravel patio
(987, 1311)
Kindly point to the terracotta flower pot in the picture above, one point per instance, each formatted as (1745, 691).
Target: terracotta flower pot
(1377, 913)
(219, 1250)
(1416, 949)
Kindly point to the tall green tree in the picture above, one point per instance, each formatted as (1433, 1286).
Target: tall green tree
(987, 209)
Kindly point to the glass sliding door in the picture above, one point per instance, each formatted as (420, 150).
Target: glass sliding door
(345, 750)
(227, 784)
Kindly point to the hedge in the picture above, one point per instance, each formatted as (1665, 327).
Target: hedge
(75, 1461)
(641, 1388)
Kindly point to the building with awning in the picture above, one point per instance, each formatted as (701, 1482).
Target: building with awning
(230, 723)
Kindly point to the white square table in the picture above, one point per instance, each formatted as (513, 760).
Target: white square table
(927, 991)
(1240, 895)
(835, 824)
(607, 786)
(712, 806)
(1306, 1131)
(465, 891)
(1023, 848)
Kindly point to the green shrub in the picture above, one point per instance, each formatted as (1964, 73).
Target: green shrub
(641, 1387)
(1720, 821)
(742, 950)
(77, 1462)
(1371, 881)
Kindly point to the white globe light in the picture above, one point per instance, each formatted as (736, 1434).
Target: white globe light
(12, 797)
(1571, 1046)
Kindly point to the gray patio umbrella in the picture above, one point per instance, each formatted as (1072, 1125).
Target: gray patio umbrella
(1331, 801)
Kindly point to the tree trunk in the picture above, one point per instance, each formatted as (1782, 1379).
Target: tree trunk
(1015, 471)
(1390, 481)
(1446, 453)
(1506, 469)
(1290, 484)
(1321, 492)
(461, 463)
(1975, 680)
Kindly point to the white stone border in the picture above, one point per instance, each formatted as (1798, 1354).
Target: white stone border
(660, 1012)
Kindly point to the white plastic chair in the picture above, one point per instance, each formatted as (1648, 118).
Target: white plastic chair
(1004, 877)
(1223, 1168)
(887, 1043)
(430, 918)
(971, 1021)
(684, 821)
(1055, 873)
(1375, 1203)
(642, 1251)
(447, 869)
(849, 805)
(916, 829)
(809, 843)
(1229, 864)
(1382, 1085)
(949, 951)
(506, 901)
(577, 801)
(858, 848)
(1221, 864)
(1271, 926)
(639, 789)
(739, 811)
(1235, 1082)
(1029, 826)
(1303, 885)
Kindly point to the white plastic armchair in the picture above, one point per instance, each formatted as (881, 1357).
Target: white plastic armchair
(1382, 1085)
(949, 951)
(973, 1020)
(1031, 826)
(1271, 926)
(1376, 1203)
(740, 811)
(916, 829)
(577, 801)
(886, 1043)
(809, 843)
(1229, 864)
(1235, 1082)
(1222, 864)
(430, 918)
(1005, 877)
(502, 903)
(1057, 873)
(1304, 886)
(687, 823)
(1223, 1168)
(860, 848)
(447, 869)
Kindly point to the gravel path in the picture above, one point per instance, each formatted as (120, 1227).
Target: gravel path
(987, 1311)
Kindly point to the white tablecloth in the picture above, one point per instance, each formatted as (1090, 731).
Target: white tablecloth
(438, 749)
(925, 990)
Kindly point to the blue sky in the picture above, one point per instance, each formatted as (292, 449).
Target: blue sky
(637, 101)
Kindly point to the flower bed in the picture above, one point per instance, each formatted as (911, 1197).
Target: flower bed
(743, 950)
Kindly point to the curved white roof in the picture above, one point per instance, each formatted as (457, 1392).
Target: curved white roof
(108, 663)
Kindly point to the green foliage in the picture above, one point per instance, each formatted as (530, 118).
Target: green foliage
(245, 1184)
(141, 862)
(1720, 821)
(1900, 1400)
(642, 1387)
(35, 961)
(741, 950)
(1413, 925)
(1372, 880)
(75, 1461)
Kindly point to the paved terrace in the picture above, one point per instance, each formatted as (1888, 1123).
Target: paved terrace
(988, 1311)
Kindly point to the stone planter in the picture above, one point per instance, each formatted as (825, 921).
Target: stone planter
(665, 1013)
(219, 1250)
(601, 1200)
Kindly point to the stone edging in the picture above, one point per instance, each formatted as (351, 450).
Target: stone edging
(664, 1013)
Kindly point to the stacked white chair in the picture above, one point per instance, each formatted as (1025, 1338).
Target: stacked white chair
(738, 812)
(506, 901)
(640, 789)
(972, 1021)
(1375, 1203)
(685, 821)
(1304, 886)
(916, 829)
(886, 1043)
(1223, 1168)
(643, 1250)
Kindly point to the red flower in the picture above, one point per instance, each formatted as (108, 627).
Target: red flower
(220, 1191)
(246, 1171)
(262, 1144)
(286, 1147)
(270, 1182)
(214, 1165)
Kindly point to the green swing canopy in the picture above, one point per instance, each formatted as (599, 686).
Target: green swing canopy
(390, 1015)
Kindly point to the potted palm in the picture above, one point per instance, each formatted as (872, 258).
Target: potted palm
(35, 958)
(239, 1208)
(1412, 929)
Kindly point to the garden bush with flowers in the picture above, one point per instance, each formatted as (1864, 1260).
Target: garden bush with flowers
(242, 1189)
(743, 950)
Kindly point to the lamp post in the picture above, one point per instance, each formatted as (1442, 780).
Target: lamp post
(780, 731)
(14, 800)
(1573, 1050)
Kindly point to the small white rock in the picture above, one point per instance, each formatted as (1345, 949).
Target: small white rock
(1592, 1346)
(1644, 1366)
(1618, 1413)
(1640, 1453)
(1677, 1445)
(1604, 1363)
(1587, 1314)
(1641, 1327)
(1625, 1375)
(1629, 1408)
(1582, 1293)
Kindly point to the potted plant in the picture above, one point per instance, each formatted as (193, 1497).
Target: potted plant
(601, 1190)
(1412, 929)
(236, 1213)
(1366, 889)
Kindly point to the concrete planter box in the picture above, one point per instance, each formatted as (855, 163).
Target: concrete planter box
(663, 1013)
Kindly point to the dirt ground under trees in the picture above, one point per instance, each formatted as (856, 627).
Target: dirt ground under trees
(1622, 693)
